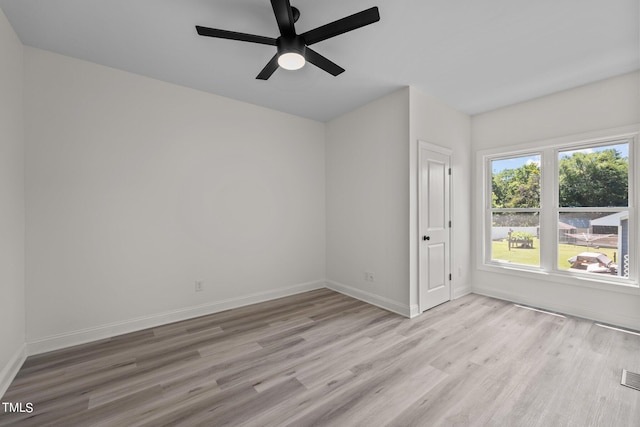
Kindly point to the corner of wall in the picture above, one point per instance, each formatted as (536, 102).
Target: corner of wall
(11, 368)
(12, 204)
(373, 299)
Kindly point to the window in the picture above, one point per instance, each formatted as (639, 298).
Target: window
(593, 200)
(566, 209)
(515, 210)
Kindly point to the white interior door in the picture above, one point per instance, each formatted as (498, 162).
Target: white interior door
(434, 251)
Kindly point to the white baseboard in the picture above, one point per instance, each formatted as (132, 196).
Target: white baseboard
(83, 336)
(605, 316)
(370, 298)
(9, 372)
(460, 292)
(457, 293)
(414, 310)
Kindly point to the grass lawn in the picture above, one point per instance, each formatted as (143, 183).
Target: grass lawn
(500, 251)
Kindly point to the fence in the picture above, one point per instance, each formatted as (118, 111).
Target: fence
(498, 233)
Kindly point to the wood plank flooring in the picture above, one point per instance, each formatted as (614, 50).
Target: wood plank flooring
(321, 358)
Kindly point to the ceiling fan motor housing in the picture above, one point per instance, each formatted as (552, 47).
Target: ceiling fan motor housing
(291, 45)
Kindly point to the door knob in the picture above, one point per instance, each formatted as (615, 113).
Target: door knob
(426, 238)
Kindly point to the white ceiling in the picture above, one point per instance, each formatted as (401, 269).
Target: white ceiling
(475, 55)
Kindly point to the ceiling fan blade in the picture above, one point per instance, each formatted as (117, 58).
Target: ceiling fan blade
(232, 35)
(284, 17)
(269, 69)
(321, 62)
(342, 26)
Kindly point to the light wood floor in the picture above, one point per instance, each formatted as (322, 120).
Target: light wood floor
(321, 358)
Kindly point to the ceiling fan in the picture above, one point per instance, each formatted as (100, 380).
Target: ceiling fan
(293, 49)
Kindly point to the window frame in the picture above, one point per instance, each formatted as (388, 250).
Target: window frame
(550, 208)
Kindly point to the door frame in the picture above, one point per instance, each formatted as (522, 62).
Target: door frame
(449, 153)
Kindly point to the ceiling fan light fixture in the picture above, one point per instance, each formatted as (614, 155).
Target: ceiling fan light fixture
(291, 52)
(291, 61)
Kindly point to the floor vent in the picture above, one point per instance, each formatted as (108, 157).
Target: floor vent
(630, 379)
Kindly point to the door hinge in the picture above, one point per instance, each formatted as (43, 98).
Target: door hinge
(449, 224)
(449, 276)
(449, 171)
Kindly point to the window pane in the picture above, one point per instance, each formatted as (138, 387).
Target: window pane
(515, 182)
(594, 242)
(594, 177)
(515, 237)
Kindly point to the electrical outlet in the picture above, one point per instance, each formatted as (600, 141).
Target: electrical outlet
(369, 277)
(199, 286)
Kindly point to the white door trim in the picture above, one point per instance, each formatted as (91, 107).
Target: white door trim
(447, 152)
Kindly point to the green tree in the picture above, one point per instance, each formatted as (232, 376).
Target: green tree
(598, 179)
(517, 188)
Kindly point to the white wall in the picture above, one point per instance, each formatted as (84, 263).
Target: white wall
(368, 203)
(437, 123)
(137, 188)
(608, 104)
(12, 315)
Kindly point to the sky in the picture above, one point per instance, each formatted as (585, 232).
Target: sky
(514, 163)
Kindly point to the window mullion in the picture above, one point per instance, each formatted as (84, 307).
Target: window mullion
(549, 213)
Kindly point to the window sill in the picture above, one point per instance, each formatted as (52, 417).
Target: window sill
(570, 279)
